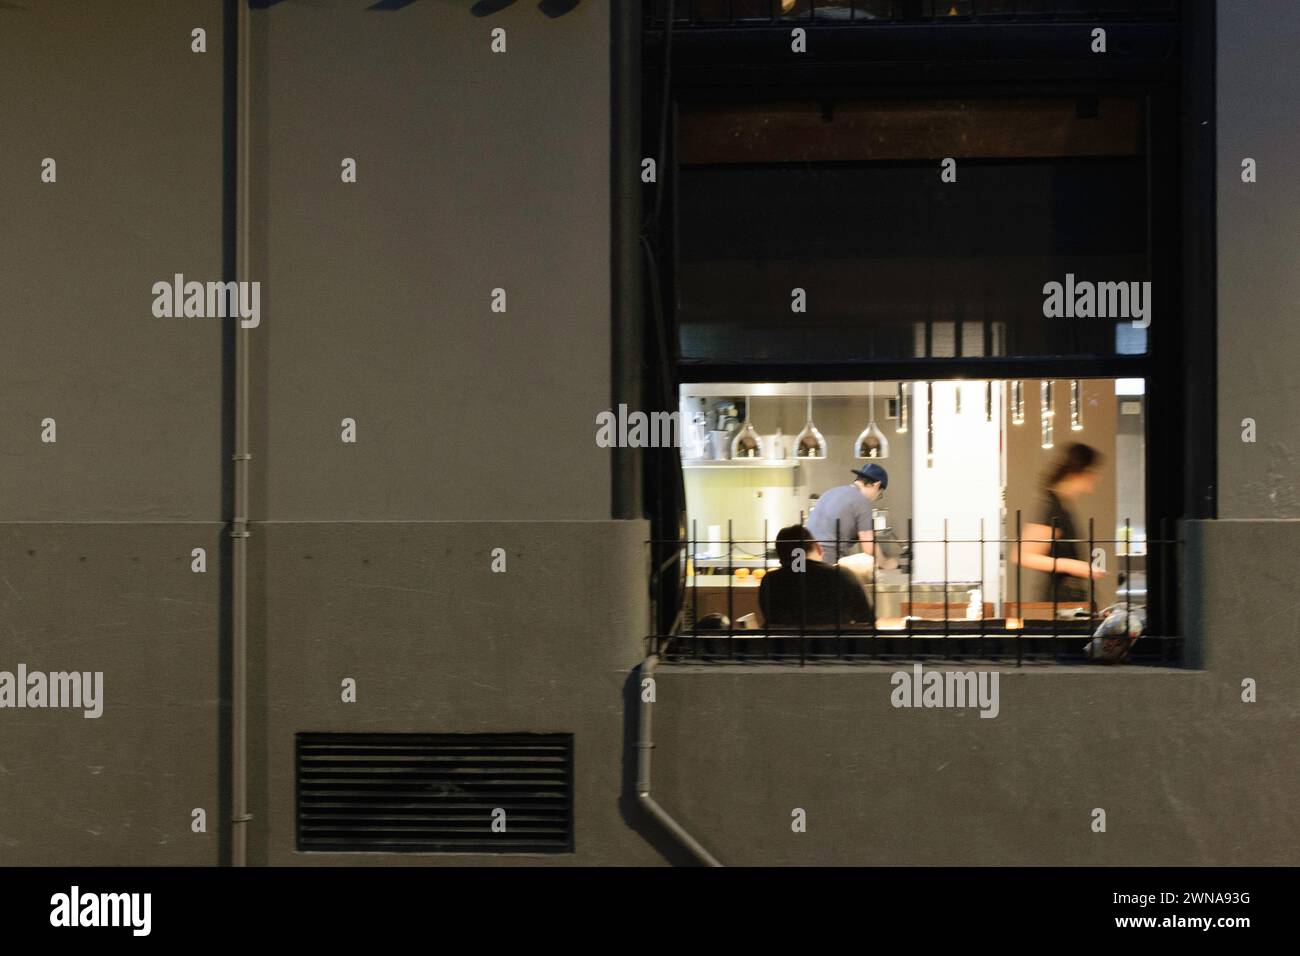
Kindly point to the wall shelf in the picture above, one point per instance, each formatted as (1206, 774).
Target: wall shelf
(784, 463)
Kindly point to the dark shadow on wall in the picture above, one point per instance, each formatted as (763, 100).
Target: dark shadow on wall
(633, 814)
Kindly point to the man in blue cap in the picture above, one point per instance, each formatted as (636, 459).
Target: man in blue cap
(850, 506)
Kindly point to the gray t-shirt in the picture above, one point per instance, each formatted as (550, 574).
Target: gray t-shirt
(848, 504)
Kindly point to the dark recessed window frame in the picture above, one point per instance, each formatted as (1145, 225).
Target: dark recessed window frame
(1165, 59)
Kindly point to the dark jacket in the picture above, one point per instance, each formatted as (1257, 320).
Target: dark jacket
(813, 597)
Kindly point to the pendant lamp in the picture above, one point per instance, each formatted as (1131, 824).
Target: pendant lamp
(809, 444)
(872, 443)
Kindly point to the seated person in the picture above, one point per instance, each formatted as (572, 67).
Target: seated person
(805, 591)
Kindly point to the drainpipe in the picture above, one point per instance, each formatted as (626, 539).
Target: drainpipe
(645, 744)
(240, 816)
(628, 339)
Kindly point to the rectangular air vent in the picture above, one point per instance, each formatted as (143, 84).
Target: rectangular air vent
(435, 793)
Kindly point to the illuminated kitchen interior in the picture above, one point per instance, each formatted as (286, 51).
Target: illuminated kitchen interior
(962, 458)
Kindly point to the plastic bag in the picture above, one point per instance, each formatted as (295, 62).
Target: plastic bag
(1119, 630)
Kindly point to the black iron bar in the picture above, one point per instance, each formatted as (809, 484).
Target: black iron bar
(911, 570)
(982, 625)
(875, 592)
(1128, 574)
(731, 575)
(943, 603)
(839, 638)
(803, 604)
(1092, 578)
(1168, 555)
(1055, 584)
(767, 628)
(695, 588)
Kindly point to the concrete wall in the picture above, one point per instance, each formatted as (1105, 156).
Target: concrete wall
(438, 643)
(96, 529)
(370, 560)
(1187, 773)
(1258, 234)
(476, 171)
(476, 429)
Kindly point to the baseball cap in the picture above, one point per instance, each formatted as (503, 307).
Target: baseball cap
(873, 473)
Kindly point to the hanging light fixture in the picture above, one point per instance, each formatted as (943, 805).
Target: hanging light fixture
(872, 443)
(1017, 403)
(810, 444)
(902, 410)
(988, 401)
(1076, 406)
(957, 400)
(929, 424)
(1047, 410)
(748, 443)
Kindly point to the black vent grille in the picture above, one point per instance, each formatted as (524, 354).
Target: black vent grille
(425, 793)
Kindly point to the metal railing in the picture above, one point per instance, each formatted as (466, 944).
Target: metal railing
(714, 13)
(1054, 630)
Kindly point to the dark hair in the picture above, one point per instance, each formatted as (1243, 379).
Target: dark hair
(795, 536)
(1076, 459)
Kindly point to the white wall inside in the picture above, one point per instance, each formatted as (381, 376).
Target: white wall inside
(963, 483)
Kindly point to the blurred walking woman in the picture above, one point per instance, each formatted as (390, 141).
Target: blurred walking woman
(1068, 568)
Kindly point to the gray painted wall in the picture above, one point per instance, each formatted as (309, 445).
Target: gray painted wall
(370, 560)
(1187, 773)
(1258, 235)
(96, 530)
(476, 429)
(438, 643)
(476, 171)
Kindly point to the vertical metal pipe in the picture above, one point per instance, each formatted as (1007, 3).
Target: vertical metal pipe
(627, 342)
(240, 816)
(645, 746)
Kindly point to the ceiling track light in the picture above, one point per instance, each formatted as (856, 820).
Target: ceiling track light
(902, 410)
(1017, 403)
(1076, 406)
